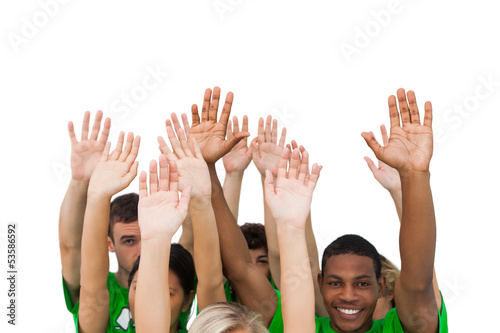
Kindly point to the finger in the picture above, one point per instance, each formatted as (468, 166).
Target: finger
(105, 152)
(269, 185)
(85, 125)
(132, 172)
(128, 147)
(385, 137)
(371, 165)
(71, 131)
(226, 110)
(143, 186)
(414, 114)
(304, 166)
(183, 205)
(173, 177)
(105, 131)
(194, 115)
(153, 177)
(196, 148)
(293, 172)
(97, 126)
(244, 127)
(236, 125)
(267, 131)
(274, 132)
(214, 105)
(404, 110)
(283, 163)
(206, 104)
(175, 121)
(229, 130)
(174, 143)
(282, 138)
(134, 151)
(185, 122)
(184, 143)
(163, 185)
(294, 145)
(118, 149)
(313, 178)
(260, 131)
(230, 143)
(393, 112)
(377, 149)
(428, 114)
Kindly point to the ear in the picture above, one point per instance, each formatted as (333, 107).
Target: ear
(320, 280)
(381, 286)
(111, 245)
(188, 301)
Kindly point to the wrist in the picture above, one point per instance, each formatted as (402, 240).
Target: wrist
(236, 174)
(98, 196)
(413, 174)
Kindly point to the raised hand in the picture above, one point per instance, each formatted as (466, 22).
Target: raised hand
(240, 156)
(116, 171)
(86, 153)
(289, 198)
(266, 148)
(387, 176)
(210, 133)
(410, 145)
(191, 166)
(161, 212)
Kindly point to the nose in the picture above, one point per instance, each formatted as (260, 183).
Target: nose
(348, 293)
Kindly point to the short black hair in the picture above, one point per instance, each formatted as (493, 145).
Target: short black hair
(255, 235)
(181, 262)
(123, 209)
(352, 244)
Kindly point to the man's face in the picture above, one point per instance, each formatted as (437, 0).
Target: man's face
(126, 244)
(350, 291)
(260, 258)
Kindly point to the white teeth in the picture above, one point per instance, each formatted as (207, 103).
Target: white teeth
(348, 311)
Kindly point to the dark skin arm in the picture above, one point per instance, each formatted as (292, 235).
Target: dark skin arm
(409, 151)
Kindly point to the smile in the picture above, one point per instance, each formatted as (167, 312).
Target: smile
(348, 311)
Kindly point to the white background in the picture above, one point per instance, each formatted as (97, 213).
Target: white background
(282, 58)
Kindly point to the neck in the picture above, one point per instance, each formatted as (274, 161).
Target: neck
(122, 278)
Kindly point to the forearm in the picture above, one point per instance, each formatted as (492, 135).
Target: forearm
(273, 251)
(94, 298)
(417, 240)
(297, 288)
(234, 249)
(396, 196)
(186, 239)
(152, 302)
(207, 257)
(232, 191)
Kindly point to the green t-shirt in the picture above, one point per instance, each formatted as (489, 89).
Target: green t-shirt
(389, 324)
(120, 319)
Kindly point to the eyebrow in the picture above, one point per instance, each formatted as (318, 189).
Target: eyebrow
(264, 256)
(356, 278)
(127, 236)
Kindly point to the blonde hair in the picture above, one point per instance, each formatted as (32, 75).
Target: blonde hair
(226, 318)
(391, 273)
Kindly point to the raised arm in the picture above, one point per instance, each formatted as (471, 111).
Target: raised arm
(235, 163)
(85, 155)
(289, 199)
(114, 173)
(409, 151)
(193, 170)
(160, 215)
(388, 177)
(250, 284)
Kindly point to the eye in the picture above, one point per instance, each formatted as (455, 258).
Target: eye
(265, 262)
(129, 241)
(364, 284)
(334, 283)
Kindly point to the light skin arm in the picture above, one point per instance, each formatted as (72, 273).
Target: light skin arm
(85, 155)
(250, 284)
(114, 173)
(289, 199)
(235, 163)
(161, 213)
(193, 170)
(409, 151)
(389, 178)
